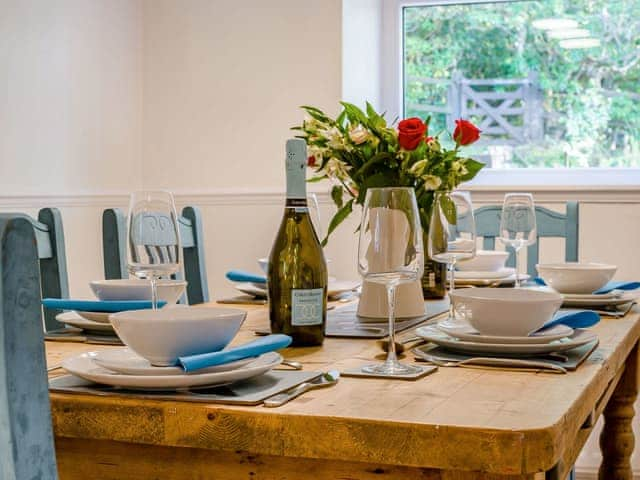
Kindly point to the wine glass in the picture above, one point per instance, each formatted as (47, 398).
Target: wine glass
(518, 224)
(452, 234)
(314, 214)
(154, 237)
(390, 252)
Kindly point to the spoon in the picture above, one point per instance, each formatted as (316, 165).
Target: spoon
(327, 379)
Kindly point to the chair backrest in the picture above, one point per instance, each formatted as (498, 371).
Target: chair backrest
(26, 435)
(114, 227)
(549, 224)
(54, 279)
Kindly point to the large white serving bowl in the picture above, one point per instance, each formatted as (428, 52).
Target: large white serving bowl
(484, 261)
(161, 336)
(506, 311)
(576, 277)
(137, 289)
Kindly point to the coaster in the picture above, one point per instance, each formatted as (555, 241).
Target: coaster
(357, 372)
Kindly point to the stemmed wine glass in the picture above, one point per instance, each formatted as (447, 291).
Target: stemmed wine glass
(452, 233)
(390, 252)
(518, 224)
(154, 238)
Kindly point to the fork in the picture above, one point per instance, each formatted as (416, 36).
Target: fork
(487, 361)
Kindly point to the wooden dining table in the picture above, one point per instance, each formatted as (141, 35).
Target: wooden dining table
(454, 424)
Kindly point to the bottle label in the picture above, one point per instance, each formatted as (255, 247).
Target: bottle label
(306, 307)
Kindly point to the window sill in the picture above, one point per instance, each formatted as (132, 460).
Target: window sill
(598, 185)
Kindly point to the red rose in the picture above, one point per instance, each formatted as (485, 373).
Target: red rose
(311, 161)
(411, 131)
(465, 133)
(427, 139)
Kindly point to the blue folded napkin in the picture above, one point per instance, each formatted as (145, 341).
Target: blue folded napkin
(257, 347)
(241, 276)
(609, 287)
(106, 306)
(573, 319)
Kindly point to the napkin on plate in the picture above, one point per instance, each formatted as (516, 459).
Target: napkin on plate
(105, 306)
(242, 276)
(609, 287)
(257, 347)
(573, 319)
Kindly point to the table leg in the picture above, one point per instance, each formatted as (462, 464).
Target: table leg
(617, 439)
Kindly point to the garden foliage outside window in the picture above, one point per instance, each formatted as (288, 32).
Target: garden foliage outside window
(552, 83)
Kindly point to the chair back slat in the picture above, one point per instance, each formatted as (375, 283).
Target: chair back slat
(26, 435)
(549, 224)
(54, 278)
(191, 237)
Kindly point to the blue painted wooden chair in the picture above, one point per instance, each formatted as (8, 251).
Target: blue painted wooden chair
(549, 224)
(26, 437)
(54, 279)
(114, 228)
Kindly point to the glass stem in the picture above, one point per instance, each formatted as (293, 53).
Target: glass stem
(517, 253)
(452, 285)
(391, 299)
(154, 292)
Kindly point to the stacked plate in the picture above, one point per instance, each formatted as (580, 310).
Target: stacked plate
(335, 289)
(87, 321)
(466, 339)
(611, 299)
(503, 276)
(122, 367)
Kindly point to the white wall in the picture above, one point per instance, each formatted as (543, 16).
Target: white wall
(223, 81)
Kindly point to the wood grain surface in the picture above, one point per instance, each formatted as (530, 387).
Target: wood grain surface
(457, 420)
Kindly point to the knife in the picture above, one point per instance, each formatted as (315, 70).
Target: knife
(326, 379)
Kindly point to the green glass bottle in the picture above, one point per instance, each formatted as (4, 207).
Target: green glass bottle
(297, 277)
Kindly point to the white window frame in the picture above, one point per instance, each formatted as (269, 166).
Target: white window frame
(539, 179)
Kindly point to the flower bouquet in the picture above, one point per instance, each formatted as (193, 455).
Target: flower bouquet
(358, 150)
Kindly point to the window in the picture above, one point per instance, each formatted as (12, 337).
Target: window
(552, 83)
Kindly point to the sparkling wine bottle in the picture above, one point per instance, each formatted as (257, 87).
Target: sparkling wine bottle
(297, 277)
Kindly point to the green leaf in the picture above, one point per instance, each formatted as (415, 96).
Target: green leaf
(338, 218)
(448, 209)
(372, 162)
(336, 195)
(473, 167)
(354, 114)
(317, 179)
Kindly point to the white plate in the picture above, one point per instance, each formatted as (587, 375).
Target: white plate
(468, 333)
(126, 361)
(600, 300)
(486, 282)
(475, 275)
(83, 366)
(336, 287)
(98, 317)
(434, 335)
(75, 320)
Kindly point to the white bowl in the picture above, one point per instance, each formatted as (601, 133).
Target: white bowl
(484, 261)
(515, 312)
(576, 277)
(137, 289)
(161, 336)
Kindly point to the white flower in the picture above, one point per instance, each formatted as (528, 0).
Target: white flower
(458, 168)
(359, 134)
(336, 168)
(335, 138)
(418, 167)
(431, 182)
(434, 144)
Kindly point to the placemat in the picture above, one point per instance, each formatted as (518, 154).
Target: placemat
(246, 392)
(344, 321)
(357, 372)
(569, 360)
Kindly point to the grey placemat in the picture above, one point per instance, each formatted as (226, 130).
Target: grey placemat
(246, 392)
(344, 321)
(569, 360)
(357, 372)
